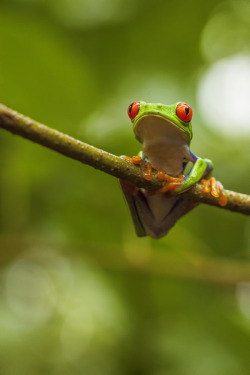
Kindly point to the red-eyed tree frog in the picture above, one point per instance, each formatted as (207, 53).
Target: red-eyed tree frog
(165, 132)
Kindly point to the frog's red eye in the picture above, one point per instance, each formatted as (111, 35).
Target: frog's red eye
(133, 109)
(184, 112)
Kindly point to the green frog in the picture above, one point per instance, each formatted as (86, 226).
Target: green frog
(165, 132)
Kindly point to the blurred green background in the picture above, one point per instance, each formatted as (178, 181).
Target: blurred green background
(79, 293)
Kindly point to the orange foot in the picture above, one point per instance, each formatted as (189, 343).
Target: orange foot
(134, 159)
(216, 189)
(172, 183)
(147, 174)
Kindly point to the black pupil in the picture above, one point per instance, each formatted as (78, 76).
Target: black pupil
(130, 108)
(186, 110)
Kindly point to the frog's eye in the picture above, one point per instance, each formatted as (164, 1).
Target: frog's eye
(184, 112)
(133, 109)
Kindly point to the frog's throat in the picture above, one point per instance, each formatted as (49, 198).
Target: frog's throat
(158, 129)
(165, 144)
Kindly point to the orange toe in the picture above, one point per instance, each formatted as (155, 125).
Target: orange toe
(134, 159)
(206, 186)
(172, 183)
(216, 189)
(161, 174)
(223, 198)
(147, 174)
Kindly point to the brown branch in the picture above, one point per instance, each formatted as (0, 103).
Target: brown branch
(18, 124)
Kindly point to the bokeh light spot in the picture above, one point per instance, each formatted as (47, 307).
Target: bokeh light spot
(28, 292)
(243, 296)
(76, 332)
(224, 96)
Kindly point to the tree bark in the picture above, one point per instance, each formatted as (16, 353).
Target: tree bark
(18, 124)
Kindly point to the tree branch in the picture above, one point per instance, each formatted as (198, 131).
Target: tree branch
(18, 124)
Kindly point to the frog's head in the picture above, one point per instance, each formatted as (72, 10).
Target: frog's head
(165, 121)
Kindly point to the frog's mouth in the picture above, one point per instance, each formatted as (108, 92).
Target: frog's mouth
(155, 129)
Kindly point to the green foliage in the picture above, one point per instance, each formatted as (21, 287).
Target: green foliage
(76, 67)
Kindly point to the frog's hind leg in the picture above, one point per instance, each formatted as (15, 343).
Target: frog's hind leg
(132, 196)
(180, 208)
(144, 216)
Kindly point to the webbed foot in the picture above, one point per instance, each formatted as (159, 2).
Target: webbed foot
(147, 174)
(134, 159)
(215, 188)
(172, 183)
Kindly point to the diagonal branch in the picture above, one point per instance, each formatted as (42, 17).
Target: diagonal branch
(99, 159)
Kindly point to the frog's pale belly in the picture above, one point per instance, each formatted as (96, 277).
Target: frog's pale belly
(166, 146)
(168, 156)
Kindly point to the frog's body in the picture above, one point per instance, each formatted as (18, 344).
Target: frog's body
(165, 133)
(164, 144)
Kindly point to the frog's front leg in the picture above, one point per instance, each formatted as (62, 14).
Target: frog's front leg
(199, 171)
(154, 215)
(139, 159)
(171, 182)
